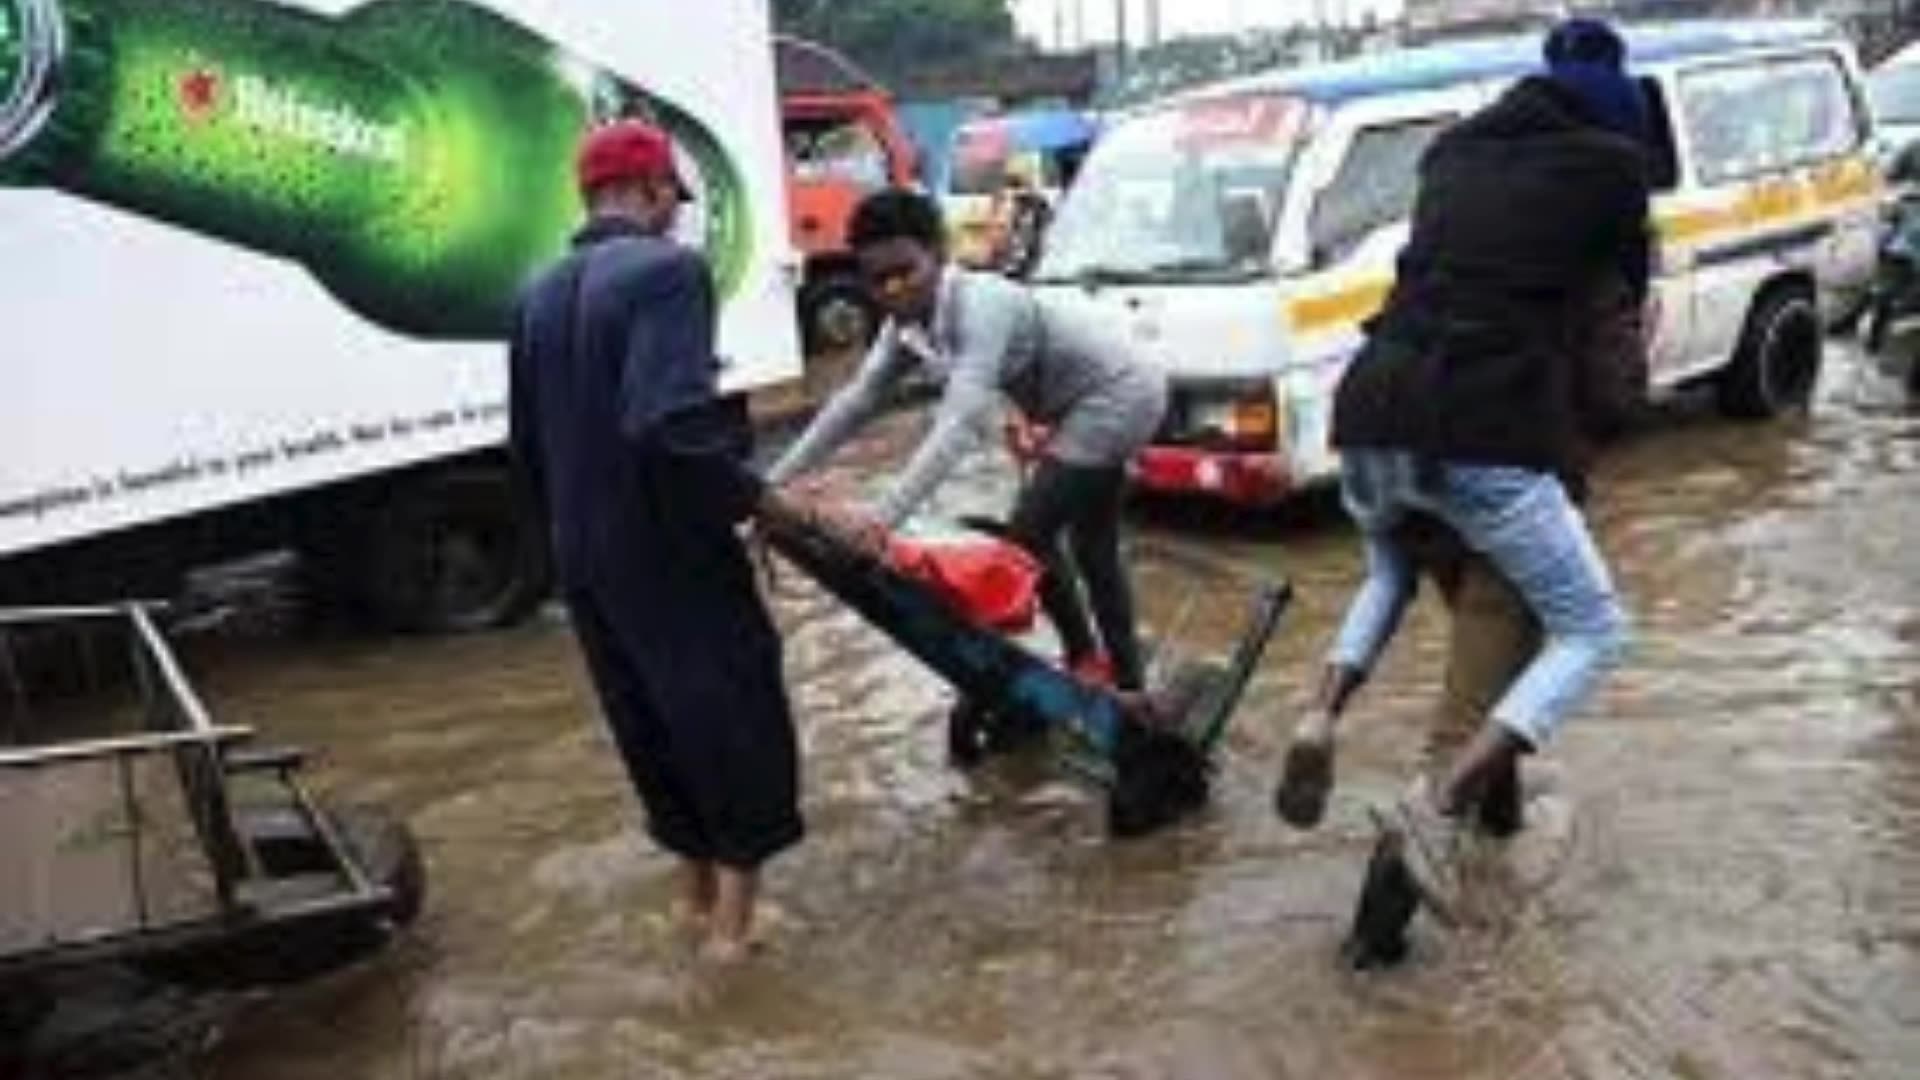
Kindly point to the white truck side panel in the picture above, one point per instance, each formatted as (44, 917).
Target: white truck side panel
(151, 372)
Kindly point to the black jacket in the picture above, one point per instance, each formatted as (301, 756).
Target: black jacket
(617, 432)
(1526, 212)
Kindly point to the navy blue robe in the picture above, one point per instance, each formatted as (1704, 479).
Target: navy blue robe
(640, 469)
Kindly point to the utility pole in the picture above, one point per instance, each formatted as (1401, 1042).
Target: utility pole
(1153, 23)
(1120, 37)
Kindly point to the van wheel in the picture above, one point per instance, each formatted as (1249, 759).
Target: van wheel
(836, 315)
(1778, 361)
(454, 552)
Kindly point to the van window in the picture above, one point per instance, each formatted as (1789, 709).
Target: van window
(1895, 90)
(1748, 119)
(1185, 193)
(1374, 187)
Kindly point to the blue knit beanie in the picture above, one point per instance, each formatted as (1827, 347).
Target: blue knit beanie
(1587, 58)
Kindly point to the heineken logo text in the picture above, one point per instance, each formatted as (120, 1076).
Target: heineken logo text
(283, 111)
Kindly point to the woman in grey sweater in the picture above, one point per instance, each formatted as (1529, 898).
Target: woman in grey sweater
(986, 338)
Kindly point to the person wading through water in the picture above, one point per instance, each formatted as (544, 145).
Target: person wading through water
(627, 450)
(1464, 406)
(988, 339)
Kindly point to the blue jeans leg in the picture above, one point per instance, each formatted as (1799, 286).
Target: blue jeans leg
(1375, 486)
(1526, 525)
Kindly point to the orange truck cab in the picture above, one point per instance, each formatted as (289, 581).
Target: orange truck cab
(843, 142)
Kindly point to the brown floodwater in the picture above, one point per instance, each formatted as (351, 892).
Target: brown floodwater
(1741, 896)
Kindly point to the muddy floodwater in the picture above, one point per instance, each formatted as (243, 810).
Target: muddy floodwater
(1742, 896)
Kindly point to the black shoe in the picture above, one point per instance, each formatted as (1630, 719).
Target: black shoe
(1502, 809)
(1301, 798)
(1158, 778)
(1389, 898)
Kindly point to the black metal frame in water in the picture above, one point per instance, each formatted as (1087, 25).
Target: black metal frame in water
(280, 903)
(1156, 770)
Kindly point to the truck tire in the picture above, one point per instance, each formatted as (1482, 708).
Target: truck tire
(836, 315)
(261, 954)
(1777, 364)
(453, 552)
(24, 1005)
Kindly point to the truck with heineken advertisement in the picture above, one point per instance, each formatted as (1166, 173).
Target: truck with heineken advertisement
(258, 259)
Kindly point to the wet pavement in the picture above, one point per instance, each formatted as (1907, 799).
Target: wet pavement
(1742, 896)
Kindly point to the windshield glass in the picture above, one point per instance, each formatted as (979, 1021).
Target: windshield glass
(1187, 192)
(1896, 93)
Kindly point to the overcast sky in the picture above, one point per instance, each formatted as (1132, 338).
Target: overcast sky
(1038, 17)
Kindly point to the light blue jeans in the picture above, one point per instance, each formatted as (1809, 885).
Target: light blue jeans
(1525, 524)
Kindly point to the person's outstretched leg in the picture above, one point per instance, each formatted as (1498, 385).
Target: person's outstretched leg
(1532, 533)
(1040, 517)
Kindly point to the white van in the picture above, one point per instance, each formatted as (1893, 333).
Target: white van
(1245, 231)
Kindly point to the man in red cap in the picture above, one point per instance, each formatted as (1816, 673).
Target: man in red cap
(638, 465)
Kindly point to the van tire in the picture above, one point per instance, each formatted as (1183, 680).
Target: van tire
(1777, 364)
(453, 552)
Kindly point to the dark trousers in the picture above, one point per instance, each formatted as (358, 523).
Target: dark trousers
(705, 732)
(1077, 508)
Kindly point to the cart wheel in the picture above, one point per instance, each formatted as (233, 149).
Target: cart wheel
(1158, 778)
(261, 952)
(975, 733)
(966, 734)
(390, 855)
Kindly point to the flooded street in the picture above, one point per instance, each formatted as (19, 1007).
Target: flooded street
(1742, 900)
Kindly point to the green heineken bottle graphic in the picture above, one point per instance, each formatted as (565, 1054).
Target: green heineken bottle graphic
(416, 156)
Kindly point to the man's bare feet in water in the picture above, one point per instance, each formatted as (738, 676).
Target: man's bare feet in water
(699, 891)
(732, 934)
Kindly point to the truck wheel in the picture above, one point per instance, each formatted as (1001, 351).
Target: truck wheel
(259, 954)
(836, 316)
(454, 552)
(1778, 361)
(24, 1005)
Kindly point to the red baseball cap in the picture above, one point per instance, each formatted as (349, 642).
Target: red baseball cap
(627, 150)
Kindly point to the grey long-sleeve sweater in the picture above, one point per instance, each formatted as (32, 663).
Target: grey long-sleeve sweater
(989, 337)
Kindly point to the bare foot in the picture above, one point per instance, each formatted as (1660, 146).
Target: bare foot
(691, 920)
(725, 953)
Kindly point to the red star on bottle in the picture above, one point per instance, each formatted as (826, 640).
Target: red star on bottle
(199, 93)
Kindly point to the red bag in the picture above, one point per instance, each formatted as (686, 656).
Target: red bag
(990, 583)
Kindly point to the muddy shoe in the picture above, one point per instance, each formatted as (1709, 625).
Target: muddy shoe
(1305, 783)
(1502, 809)
(1429, 846)
(1158, 778)
(1388, 900)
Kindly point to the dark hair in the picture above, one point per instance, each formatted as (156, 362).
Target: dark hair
(895, 214)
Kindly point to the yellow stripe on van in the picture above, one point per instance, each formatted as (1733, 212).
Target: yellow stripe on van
(1767, 203)
(1339, 308)
(1763, 204)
